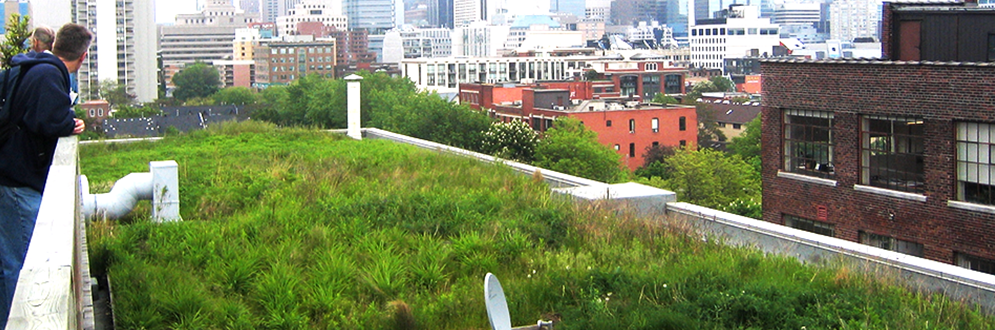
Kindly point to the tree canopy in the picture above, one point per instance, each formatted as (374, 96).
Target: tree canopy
(115, 94)
(664, 99)
(13, 43)
(571, 148)
(196, 80)
(709, 178)
(708, 127)
(748, 145)
(234, 95)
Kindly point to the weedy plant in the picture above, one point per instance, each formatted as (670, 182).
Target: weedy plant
(302, 229)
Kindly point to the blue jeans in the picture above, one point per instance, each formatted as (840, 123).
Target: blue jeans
(18, 211)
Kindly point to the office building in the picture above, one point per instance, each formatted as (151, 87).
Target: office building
(851, 19)
(374, 16)
(740, 33)
(123, 48)
(206, 37)
(328, 13)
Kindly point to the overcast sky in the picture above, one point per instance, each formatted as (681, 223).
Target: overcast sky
(166, 10)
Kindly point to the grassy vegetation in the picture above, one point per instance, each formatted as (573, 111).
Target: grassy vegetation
(297, 229)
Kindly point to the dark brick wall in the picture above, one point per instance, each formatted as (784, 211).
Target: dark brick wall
(942, 94)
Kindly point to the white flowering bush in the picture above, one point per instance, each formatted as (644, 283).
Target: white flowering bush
(515, 140)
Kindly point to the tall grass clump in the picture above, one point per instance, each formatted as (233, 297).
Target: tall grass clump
(300, 229)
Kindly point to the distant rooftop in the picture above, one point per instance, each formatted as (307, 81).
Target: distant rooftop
(876, 61)
(529, 20)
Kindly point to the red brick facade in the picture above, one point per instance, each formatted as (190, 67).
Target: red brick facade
(941, 94)
(630, 129)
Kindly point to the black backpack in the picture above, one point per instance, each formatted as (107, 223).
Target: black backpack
(10, 80)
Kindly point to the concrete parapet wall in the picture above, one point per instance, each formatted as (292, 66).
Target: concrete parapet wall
(53, 290)
(917, 273)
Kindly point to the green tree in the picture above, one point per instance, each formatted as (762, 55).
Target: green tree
(591, 75)
(115, 94)
(710, 178)
(13, 43)
(196, 80)
(199, 101)
(722, 84)
(571, 148)
(664, 99)
(235, 95)
(653, 161)
(126, 111)
(271, 99)
(513, 140)
(748, 145)
(708, 127)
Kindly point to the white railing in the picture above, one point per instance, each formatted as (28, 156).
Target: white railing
(53, 290)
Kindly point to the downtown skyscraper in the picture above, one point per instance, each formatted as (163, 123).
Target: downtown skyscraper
(123, 48)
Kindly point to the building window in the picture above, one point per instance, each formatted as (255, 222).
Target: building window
(991, 47)
(632, 125)
(684, 143)
(100, 112)
(818, 227)
(975, 263)
(651, 66)
(608, 123)
(632, 150)
(682, 123)
(891, 244)
(617, 147)
(808, 143)
(656, 125)
(975, 163)
(737, 126)
(892, 153)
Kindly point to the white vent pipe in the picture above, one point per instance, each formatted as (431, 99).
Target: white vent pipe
(160, 186)
(121, 200)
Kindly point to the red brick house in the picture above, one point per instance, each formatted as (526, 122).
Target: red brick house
(896, 154)
(630, 127)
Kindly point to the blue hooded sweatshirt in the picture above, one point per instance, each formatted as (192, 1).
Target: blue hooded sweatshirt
(43, 94)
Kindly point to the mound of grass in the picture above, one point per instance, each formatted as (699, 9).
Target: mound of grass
(297, 229)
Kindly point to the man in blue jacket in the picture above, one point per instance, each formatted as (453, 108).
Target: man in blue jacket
(44, 96)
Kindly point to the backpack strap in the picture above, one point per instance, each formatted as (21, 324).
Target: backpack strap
(10, 117)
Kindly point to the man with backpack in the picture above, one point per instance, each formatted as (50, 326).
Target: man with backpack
(41, 108)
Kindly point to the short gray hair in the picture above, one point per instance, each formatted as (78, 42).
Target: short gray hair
(45, 35)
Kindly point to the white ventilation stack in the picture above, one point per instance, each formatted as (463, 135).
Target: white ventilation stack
(353, 111)
(161, 185)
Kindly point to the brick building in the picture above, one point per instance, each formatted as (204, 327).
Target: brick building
(352, 47)
(286, 61)
(627, 125)
(894, 154)
(97, 111)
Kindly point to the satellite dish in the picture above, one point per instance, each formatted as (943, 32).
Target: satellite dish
(497, 305)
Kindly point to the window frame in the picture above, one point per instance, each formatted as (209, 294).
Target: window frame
(975, 171)
(802, 150)
(893, 147)
(891, 244)
(813, 226)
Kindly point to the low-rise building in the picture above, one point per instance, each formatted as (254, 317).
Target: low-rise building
(625, 124)
(893, 153)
